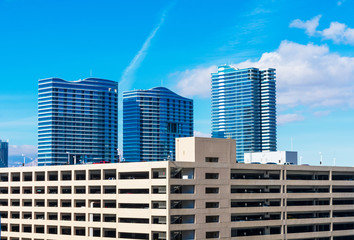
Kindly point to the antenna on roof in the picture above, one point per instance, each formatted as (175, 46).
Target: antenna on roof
(90, 72)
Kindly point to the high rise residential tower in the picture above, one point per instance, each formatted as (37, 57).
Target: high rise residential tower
(152, 119)
(244, 108)
(4, 154)
(77, 121)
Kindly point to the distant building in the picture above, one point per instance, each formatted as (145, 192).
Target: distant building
(4, 154)
(77, 121)
(244, 108)
(152, 120)
(278, 157)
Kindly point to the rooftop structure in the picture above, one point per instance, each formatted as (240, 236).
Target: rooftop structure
(278, 157)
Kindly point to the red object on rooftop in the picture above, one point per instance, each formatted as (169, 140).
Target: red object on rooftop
(101, 162)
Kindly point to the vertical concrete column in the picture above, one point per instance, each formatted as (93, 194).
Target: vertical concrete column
(168, 204)
(283, 202)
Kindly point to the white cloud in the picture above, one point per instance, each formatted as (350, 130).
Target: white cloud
(308, 75)
(288, 118)
(201, 134)
(195, 82)
(17, 150)
(309, 25)
(337, 32)
(322, 113)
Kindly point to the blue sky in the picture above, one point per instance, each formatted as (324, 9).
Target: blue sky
(178, 44)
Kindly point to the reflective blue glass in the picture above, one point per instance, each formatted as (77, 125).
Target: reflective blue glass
(77, 121)
(4, 154)
(152, 120)
(244, 108)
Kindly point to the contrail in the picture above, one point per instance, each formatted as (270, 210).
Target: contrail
(127, 77)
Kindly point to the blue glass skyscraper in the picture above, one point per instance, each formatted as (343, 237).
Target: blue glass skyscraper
(4, 154)
(244, 108)
(152, 120)
(77, 121)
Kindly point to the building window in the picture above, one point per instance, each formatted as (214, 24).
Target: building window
(212, 219)
(172, 127)
(159, 173)
(159, 219)
(158, 205)
(175, 204)
(212, 205)
(211, 175)
(212, 190)
(212, 159)
(212, 235)
(159, 189)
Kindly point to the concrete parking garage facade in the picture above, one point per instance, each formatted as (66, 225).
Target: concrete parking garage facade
(204, 194)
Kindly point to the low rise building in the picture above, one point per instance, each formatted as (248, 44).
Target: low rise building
(278, 157)
(204, 194)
